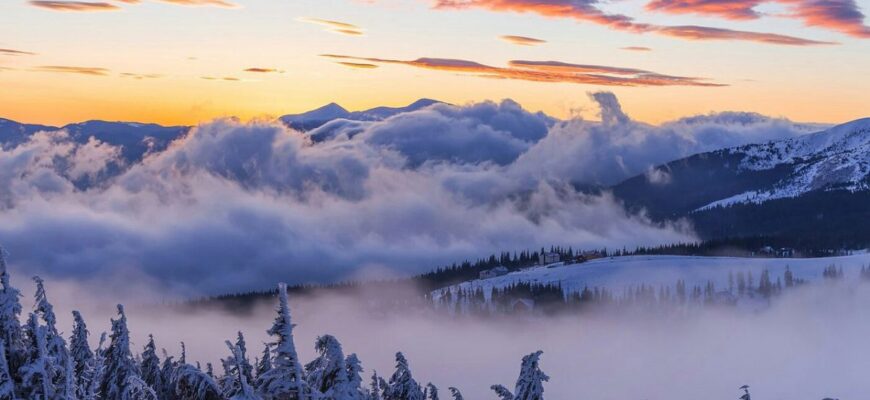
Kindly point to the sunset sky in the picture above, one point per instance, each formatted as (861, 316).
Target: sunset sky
(186, 61)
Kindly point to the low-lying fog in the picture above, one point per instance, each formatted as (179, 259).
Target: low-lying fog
(810, 343)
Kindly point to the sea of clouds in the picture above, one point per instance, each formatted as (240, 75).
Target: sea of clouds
(240, 205)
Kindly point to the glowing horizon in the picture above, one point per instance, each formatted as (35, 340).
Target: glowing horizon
(181, 62)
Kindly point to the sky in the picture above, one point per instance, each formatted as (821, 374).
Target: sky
(188, 61)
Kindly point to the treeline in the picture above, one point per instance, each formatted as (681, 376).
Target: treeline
(38, 363)
(554, 298)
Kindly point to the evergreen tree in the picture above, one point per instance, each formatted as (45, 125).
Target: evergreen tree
(745, 396)
(58, 355)
(432, 391)
(7, 384)
(376, 389)
(328, 372)
(120, 368)
(788, 276)
(37, 373)
(190, 383)
(241, 389)
(149, 368)
(530, 384)
(244, 363)
(11, 333)
(265, 363)
(457, 395)
(80, 350)
(402, 385)
(354, 377)
(92, 376)
(284, 381)
(502, 392)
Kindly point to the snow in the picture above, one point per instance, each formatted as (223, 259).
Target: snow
(838, 157)
(617, 273)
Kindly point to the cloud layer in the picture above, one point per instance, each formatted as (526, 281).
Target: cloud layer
(236, 206)
(590, 11)
(539, 71)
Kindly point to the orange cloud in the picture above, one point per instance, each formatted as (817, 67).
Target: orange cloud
(216, 3)
(730, 9)
(839, 15)
(13, 52)
(588, 11)
(226, 78)
(544, 71)
(262, 70)
(357, 65)
(636, 48)
(692, 32)
(73, 70)
(140, 76)
(522, 40)
(343, 28)
(59, 5)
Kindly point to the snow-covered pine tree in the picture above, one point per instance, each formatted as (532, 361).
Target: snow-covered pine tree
(265, 362)
(285, 380)
(242, 389)
(502, 392)
(431, 391)
(10, 326)
(191, 383)
(244, 362)
(402, 385)
(354, 377)
(92, 377)
(376, 389)
(7, 384)
(457, 395)
(530, 384)
(37, 373)
(55, 344)
(166, 391)
(328, 372)
(119, 363)
(80, 350)
(149, 368)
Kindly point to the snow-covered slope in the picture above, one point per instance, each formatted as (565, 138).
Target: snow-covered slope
(838, 158)
(618, 273)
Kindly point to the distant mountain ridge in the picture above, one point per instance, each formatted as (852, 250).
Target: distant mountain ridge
(315, 118)
(809, 186)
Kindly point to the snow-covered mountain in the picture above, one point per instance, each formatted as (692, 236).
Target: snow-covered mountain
(814, 187)
(838, 158)
(315, 118)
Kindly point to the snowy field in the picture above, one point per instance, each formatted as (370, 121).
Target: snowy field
(617, 273)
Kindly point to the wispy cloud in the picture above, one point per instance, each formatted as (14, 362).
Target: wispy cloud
(522, 40)
(140, 76)
(589, 11)
(343, 28)
(225, 78)
(694, 32)
(95, 71)
(636, 48)
(79, 6)
(544, 71)
(357, 65)
(262, 70)
(838, 15)
(214, 3)
(13, 52)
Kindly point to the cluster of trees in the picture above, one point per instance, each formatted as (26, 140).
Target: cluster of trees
(551, 298)
(38, 363)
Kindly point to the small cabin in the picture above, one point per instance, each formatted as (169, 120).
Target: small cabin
(521, 306)
(550, 258)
